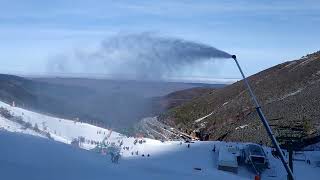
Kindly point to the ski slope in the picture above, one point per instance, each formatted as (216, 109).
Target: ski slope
(36, 157)
(61, 130)
(42, 159)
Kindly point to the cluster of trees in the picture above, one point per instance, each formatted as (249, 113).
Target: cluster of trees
(25, 125)
(5, 113)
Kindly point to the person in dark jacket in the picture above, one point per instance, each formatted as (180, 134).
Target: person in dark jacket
(214, 148)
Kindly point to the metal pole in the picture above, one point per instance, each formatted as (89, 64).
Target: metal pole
(290, 151)
(264, 120)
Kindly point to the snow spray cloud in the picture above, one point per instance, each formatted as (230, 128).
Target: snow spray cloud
(143, 56)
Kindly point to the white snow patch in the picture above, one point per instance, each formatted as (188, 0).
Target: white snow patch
(291, 94)
(241, 127)
(202, 118)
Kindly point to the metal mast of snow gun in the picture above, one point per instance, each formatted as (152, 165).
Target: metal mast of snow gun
(264, 120)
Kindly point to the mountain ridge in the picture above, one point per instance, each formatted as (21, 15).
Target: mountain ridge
(289, 94)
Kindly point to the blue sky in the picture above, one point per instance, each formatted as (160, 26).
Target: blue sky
(262, 33)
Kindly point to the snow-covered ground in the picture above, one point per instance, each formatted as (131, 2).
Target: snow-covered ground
(24, 156)
(63, 130)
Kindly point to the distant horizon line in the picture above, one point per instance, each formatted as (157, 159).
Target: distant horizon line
(182, 79)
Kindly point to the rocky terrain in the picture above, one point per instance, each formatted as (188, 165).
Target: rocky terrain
(180, 97)
(289, 94)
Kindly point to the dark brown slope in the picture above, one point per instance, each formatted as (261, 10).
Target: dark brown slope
(289, 94)
(178, 98)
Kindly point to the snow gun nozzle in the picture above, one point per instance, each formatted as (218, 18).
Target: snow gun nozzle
(234, 57)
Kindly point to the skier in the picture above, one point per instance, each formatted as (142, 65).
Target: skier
(308, 161)
(275, 153)
(188, 146)
(112, 157)
(116, 158)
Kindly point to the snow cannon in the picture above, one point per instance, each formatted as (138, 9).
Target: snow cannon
(264, 119)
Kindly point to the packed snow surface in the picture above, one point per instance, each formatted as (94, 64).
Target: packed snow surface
(26, 154)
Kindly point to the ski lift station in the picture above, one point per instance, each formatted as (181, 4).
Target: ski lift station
(255, 155)
(231, 156)
(228, 158)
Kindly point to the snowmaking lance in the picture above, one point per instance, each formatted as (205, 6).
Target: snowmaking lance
(264, 119)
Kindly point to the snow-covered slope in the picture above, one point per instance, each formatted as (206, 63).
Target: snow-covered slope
(25, 157)
(63, 130)
(41, 158)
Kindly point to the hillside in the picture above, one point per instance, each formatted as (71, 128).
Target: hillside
(113, 103)
(289, 94)
(180, 97)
